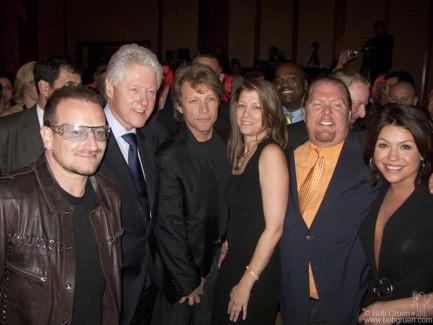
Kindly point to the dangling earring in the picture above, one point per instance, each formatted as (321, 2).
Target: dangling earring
(371, 162)
(423, 165)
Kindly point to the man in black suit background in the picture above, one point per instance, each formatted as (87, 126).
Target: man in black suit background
(20, 140)
(133, 78)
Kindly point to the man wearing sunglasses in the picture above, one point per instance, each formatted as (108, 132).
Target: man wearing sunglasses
(60, 252)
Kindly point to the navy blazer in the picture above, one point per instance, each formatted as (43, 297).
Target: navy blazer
(331, 244)
(138, 244)
(20, 140)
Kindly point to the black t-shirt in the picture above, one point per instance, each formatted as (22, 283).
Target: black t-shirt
(216, 151)
(89, 279)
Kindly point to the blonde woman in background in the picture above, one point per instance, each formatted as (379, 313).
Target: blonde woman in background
(25, 92)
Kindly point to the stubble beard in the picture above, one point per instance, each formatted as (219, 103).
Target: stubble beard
(78, 170)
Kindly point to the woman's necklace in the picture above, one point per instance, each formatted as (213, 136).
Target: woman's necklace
(241, 159)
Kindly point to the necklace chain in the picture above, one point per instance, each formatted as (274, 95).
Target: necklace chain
(241, 159)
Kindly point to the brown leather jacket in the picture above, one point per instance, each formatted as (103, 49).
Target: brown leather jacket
(37, 267)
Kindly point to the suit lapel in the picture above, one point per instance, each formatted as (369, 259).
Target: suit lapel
(118, 169)
(293, 192)
(347, 161)
(30, 136)
(147, 157)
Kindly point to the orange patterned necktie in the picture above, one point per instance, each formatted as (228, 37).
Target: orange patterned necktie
(311, 183)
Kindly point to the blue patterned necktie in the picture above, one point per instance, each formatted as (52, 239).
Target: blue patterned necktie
(136, 171)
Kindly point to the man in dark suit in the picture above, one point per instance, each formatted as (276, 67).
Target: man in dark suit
(133, 78)
(20, 140)
(192, 214)
(323, 265)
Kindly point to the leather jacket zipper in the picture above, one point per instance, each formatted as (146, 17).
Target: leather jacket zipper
(35, 276)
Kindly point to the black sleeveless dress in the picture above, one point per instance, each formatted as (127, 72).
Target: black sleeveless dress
(246, 224)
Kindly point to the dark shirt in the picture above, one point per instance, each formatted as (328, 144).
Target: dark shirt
(89, 279)
(219, 164)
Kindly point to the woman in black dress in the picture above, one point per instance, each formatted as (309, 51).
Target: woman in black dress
(397, 235)
(248, 283)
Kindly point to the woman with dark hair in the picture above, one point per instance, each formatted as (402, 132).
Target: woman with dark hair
(249, 280)
(397, 235)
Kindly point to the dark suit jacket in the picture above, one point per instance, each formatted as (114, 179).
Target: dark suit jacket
(138, 244)
(331, 244)
(192, 214)
(20, 141)
(296, 132)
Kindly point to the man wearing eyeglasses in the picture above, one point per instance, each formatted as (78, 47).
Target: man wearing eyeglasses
(20, 142)
(60, 251)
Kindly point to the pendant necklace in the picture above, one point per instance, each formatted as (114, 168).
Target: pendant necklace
(241, 159)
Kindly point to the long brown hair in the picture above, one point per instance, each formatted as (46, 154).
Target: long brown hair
(272, 116)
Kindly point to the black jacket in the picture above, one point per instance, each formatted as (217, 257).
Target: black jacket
(190, 221)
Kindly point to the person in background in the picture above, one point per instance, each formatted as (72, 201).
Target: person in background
(164, 90)
(377, 95)
(275, 56)
(248, 284)
(7, 91)
(26, 95)
(98, 83)
(392, 78)
(403, 93)
(290, 83)
(382, 47)
(238, 79)
(397, 234)
(60, 252)
(21, 143)
(359, 89)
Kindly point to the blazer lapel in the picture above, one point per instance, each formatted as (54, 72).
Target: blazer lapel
(147, 157)
(337, 185)
(293, 192)
(118, 169)
(30, 136)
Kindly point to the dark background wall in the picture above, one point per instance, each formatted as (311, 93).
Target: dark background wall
(32, 29)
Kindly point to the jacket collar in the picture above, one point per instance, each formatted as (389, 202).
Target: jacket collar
(50, 187)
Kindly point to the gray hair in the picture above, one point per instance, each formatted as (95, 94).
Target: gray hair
(128, 55)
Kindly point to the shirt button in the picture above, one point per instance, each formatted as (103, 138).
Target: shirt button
(68, 286)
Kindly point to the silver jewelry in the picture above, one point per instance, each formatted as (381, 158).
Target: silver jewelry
(241, 159)
(423, 165)
(371, 162)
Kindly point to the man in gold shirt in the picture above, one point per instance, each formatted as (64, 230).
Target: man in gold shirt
(323, 266)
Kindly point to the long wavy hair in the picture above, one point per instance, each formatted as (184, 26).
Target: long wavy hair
(272, 116)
